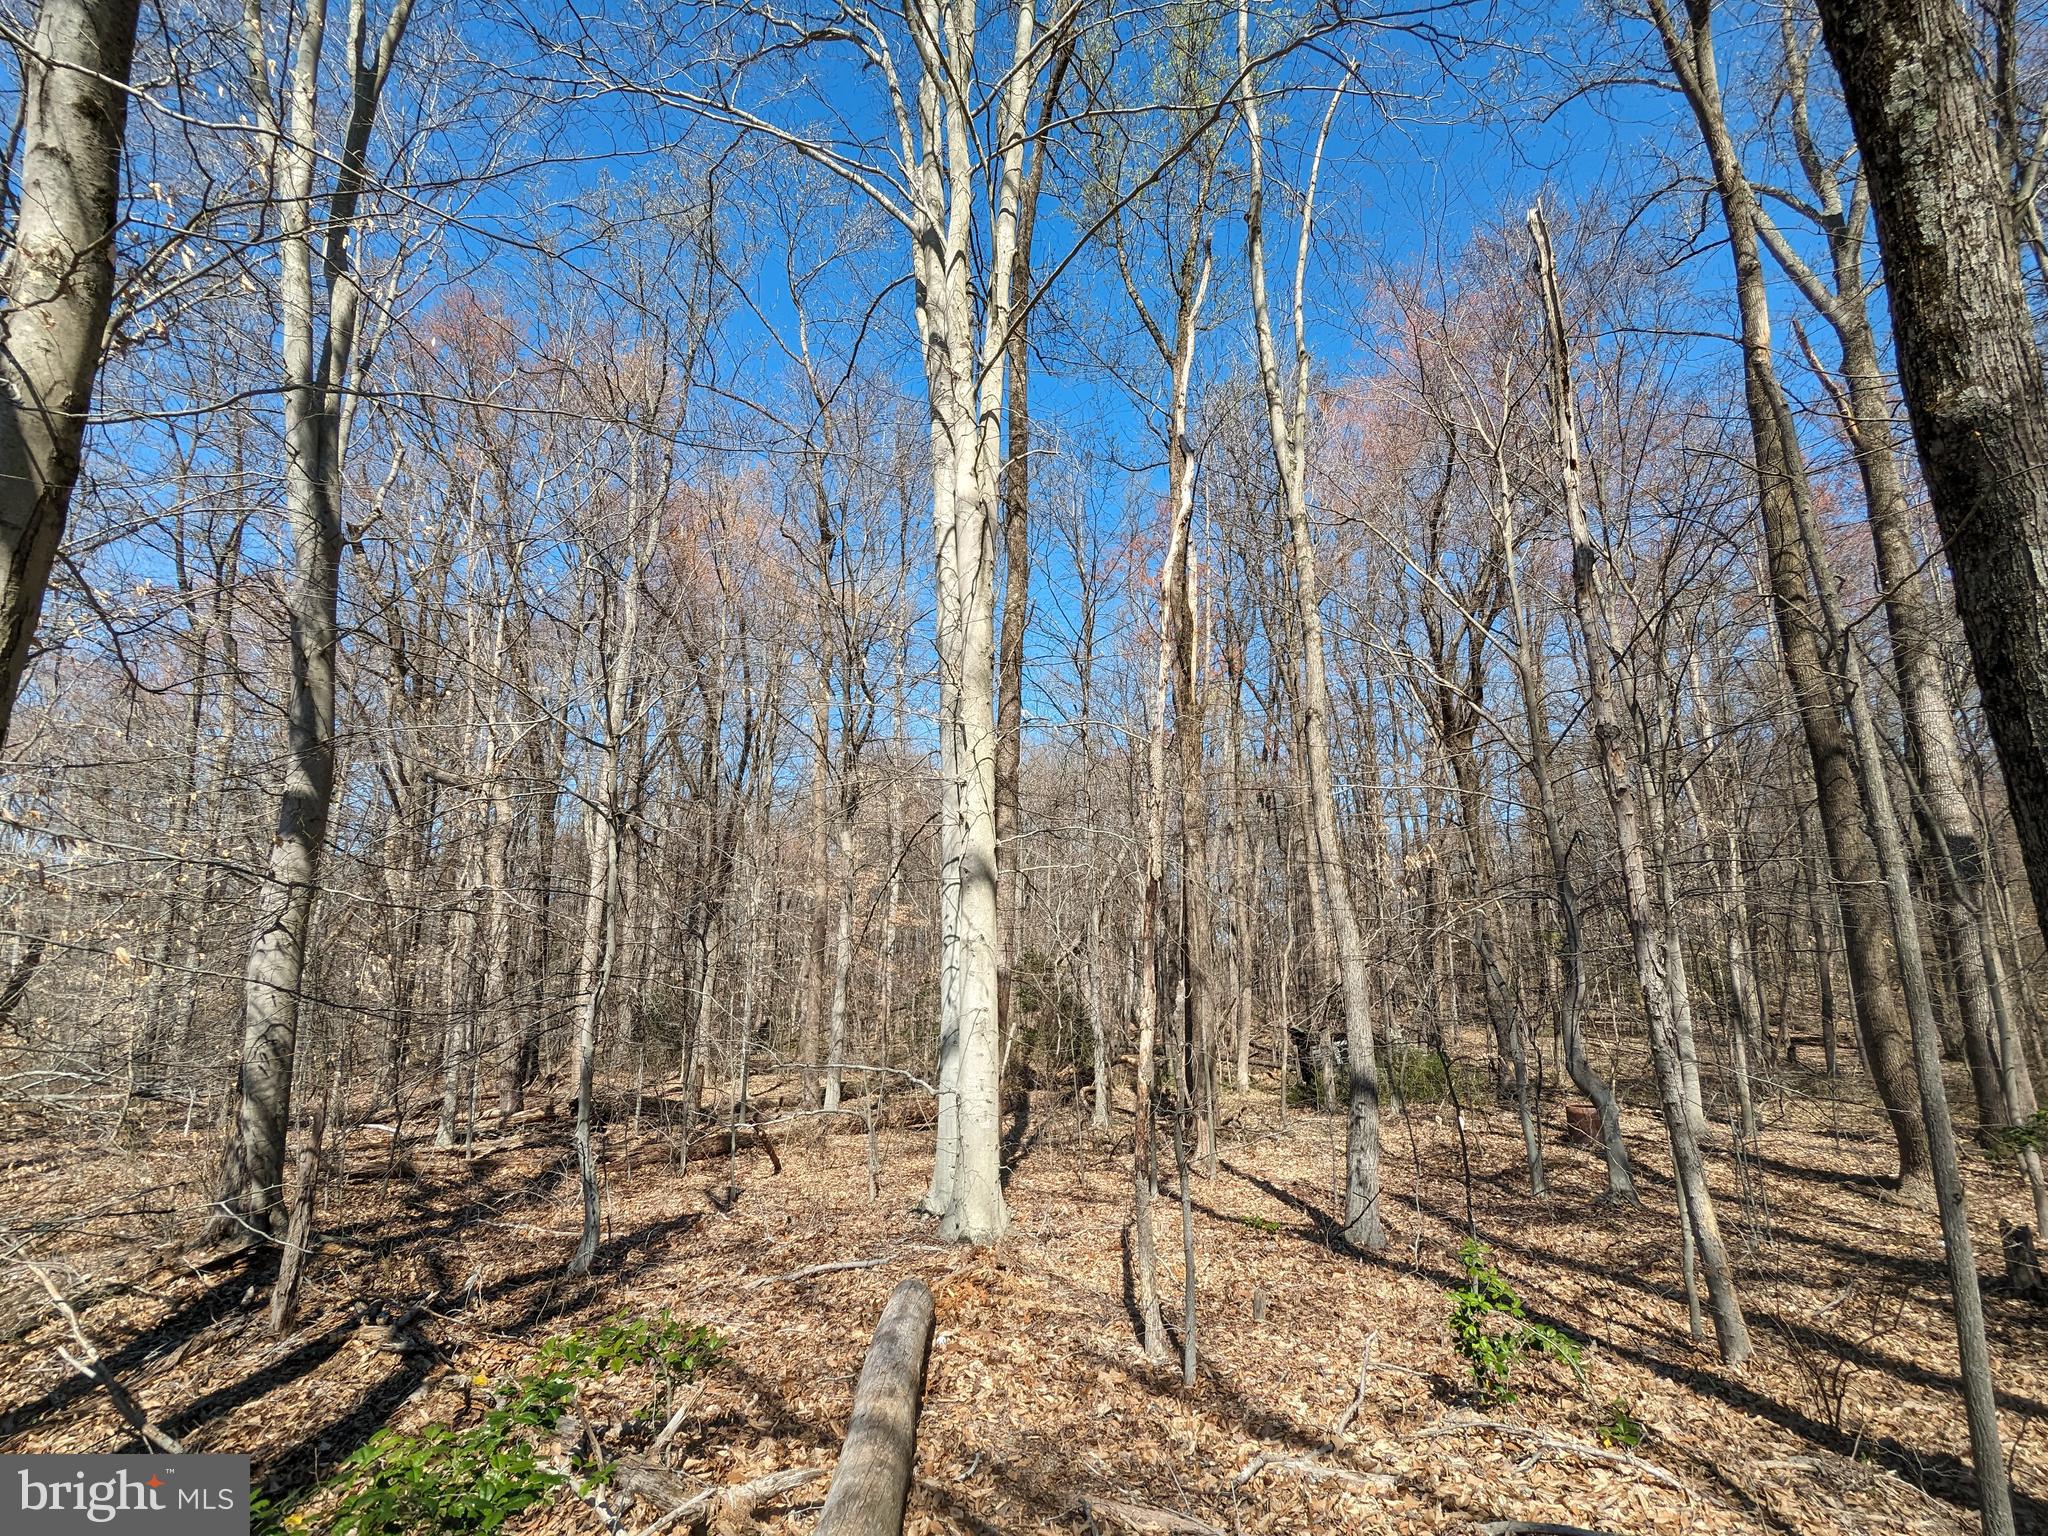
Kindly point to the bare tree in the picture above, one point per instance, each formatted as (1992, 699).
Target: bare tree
(1645, 926)
(322, 324)
(1782, 490)
(1287, 414)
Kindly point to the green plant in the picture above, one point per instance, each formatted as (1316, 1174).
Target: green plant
(2009, 1141)
(1051, 1027)
(440, 1480)
(1491, 1332)
(1261, 1223)
(1621, 1429)
(622, 1342)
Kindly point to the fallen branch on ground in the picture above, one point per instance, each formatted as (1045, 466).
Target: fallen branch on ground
(675, 1420)
(1552, 1442)
(93, 1369)
(810, 1271)
(1364, 1373)
(1142, 1518)
(727, 1506)
(1316, 1471)
(393, 1333)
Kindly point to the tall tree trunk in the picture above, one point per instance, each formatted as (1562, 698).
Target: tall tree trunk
(1589, 605)
(501, 1013)
(966, 371)
(1994, 1495)
(1016, 534)
(901, 766)
(1145, 1172)
(228, 563)
(1954, 862)
(1243, 880)
(1745, 1021)
(458, 995)
(1287, 423)
(1782, 490)
(1571, 993)
(1085, 572)
(548, 766)
(1175, 616)
(1457, 717)
(316, 374)
(593, 977)
(1969, 363)
(817, 948)
(1179, 619)
(1677, 975)
(1197, 947)
(56, 288)
(603, 821)
(842, 967)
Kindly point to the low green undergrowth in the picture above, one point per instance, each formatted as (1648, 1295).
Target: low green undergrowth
(1414, 1074)
(2028, 1135)
(440, 1480)
(1620, 1429)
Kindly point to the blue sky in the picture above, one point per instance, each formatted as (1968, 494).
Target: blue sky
(1460, 136)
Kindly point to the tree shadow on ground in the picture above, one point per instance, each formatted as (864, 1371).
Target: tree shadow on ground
(323, 1447)
(1322, 1229)
(216, 1300)
(1941, 1474)
(1020, 1136)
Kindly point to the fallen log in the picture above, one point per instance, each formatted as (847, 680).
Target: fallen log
(873, 1475)
(476, 1151)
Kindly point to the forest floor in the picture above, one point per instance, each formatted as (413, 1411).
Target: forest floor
(1847, 1420)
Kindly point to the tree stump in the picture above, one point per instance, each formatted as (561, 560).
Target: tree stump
(1582, 1126)
(2023, 1265)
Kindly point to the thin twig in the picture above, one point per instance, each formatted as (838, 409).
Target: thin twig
(1364, 1371)
(675, 1420)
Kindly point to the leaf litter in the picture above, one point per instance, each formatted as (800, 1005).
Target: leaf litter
(1040, 1411)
